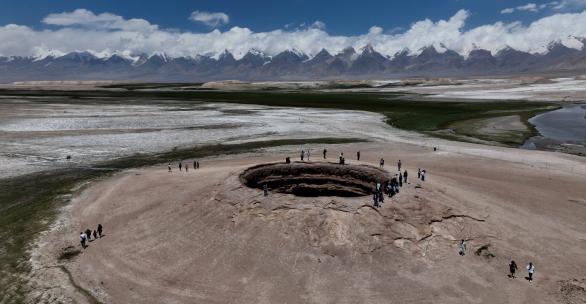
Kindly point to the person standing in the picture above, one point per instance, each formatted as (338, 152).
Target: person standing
(418, 173)
(400, 180)
(82, 239)
(307, 154)
(169, 167)
(399, 165)
(186, 167)
(325, 153)
(512, 269)
(381, 163)
(405, 176)
(302, 155)
(423, 172)
(100, 230)
(462, 246)
(358, 156)
(198, 164)
(530, 272)
(180, 166)
(194, 165)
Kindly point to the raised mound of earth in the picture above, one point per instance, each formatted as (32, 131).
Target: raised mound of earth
(315, 179)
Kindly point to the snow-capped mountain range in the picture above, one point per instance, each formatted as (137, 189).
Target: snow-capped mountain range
(288, 65)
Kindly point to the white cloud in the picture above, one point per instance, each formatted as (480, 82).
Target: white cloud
(529, 7)
(85, 18)
(568, 5)
(558, 5)
(210, 19)
(318, 25)
(106, 33)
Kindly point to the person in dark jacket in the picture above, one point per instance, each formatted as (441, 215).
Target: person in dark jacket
(512, 268)
(405, 176)
(100, 230)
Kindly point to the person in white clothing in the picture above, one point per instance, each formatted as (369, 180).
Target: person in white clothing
(82, 239)
(530, 271)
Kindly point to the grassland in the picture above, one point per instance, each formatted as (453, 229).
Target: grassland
(404, 111)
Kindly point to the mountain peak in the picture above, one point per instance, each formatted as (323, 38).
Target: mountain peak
(368, 49)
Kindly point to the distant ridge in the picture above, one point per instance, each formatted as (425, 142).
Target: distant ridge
(289, 65)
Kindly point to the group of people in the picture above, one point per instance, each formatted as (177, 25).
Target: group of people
(530, 270)
(186, 166)
(421, 174)
(512, 266)
(390, 187)
(342, 160)
(381, 163)
(86, 236)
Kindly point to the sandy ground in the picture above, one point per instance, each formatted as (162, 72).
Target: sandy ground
(203, 237)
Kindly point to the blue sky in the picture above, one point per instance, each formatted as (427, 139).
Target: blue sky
(205, 27)
(341, 17)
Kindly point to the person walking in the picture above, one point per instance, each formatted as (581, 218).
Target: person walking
(325, 153)
(462, 248)
(512, 268)
(186, 167)
(405, 176)
(95, 235)
(180, 166)
(399, 165)
(194, 165)
(530, 272)
(423, 175)
(302, 155)
(418, 173)
(82, 239)
(100, 230)
(169, 167)
(88, 234)
(381, 163)
(198, 164)
(358, 156)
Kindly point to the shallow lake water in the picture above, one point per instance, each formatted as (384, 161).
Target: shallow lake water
(567, 124)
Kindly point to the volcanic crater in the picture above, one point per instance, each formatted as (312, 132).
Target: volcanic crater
(313, 179)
